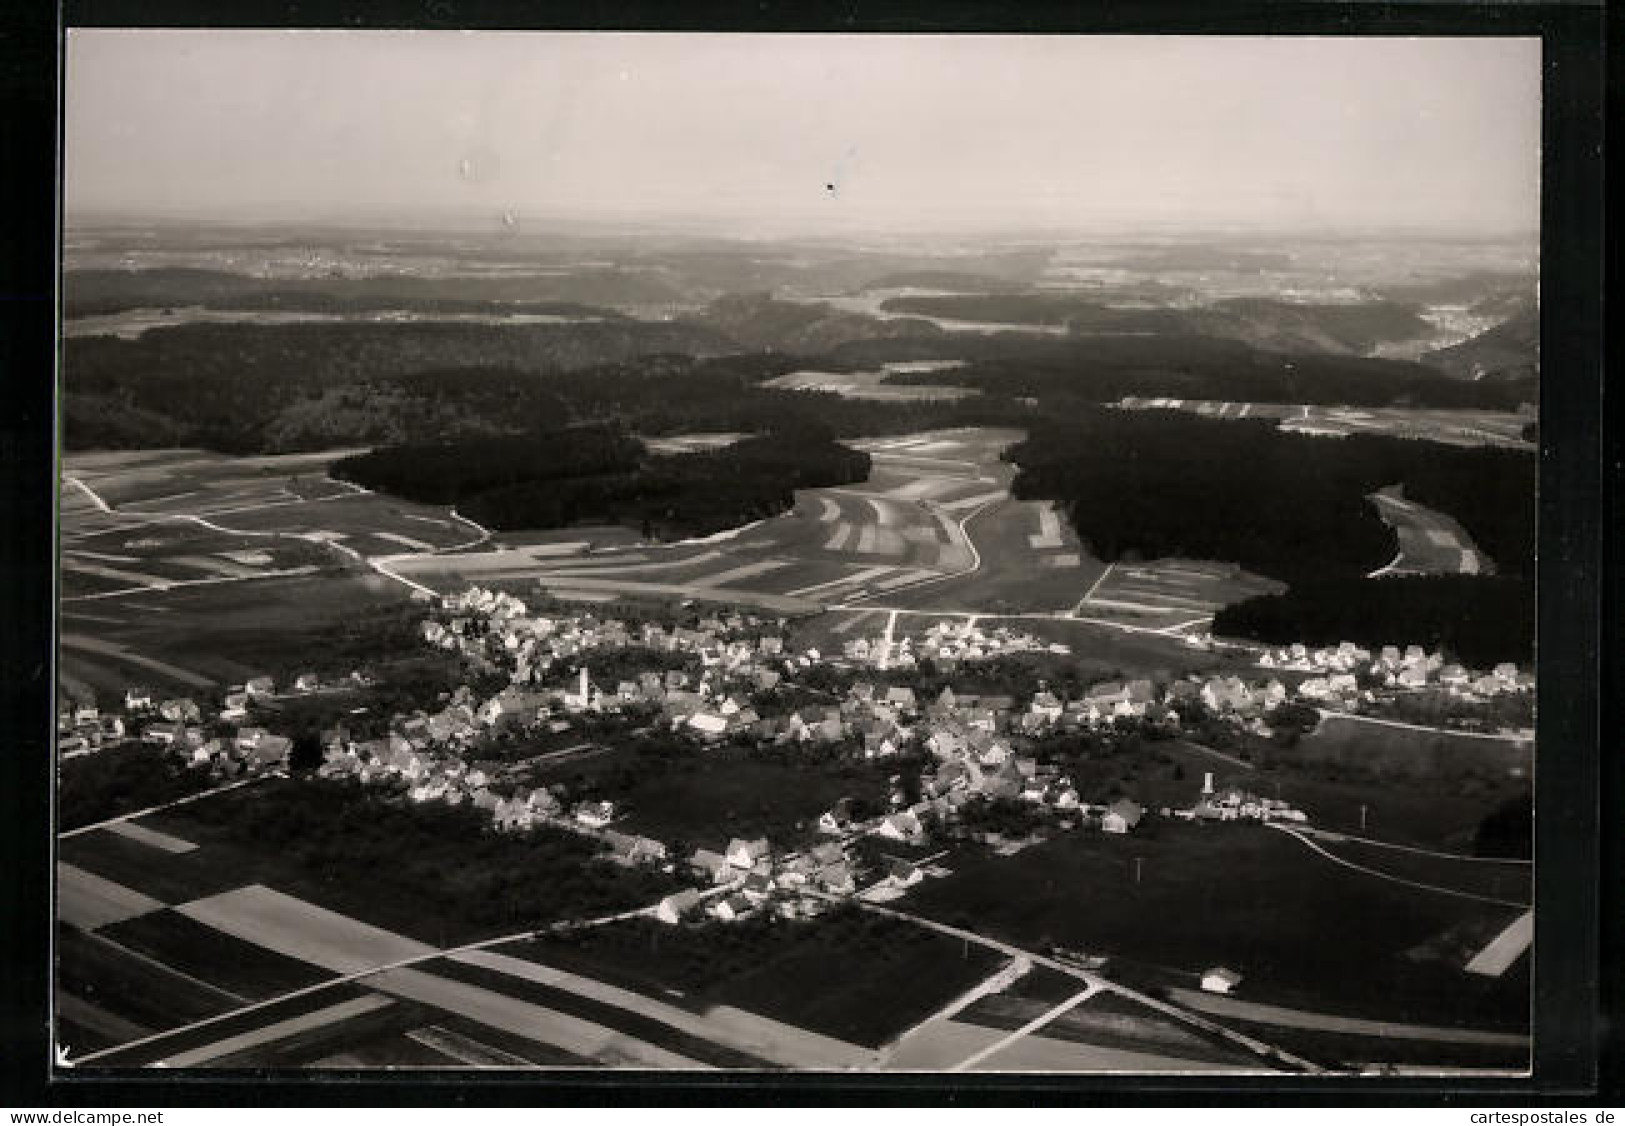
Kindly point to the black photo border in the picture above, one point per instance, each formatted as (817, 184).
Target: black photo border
(1577, 922)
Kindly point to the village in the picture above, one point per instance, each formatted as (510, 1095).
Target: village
(973, 752)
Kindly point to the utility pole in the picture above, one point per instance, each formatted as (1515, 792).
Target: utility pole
(1137, 863)
(1362, 817)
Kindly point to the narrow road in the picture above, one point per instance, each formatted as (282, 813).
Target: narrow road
(962, 534)
(1328, 835)
(380, 565)
(1327, 713)
(1090, 593)
(1253, 1011)
(1303, 839)
(356, 976)
(1027, 1029)
(199, 796)
(1275, 1056)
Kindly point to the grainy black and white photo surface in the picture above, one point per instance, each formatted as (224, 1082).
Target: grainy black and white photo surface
(796, 552)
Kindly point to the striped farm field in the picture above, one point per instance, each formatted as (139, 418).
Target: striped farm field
(235, 964)
(1169, 593)
(293, 1041)
(200, 1032)
(90, 902)
(166, 878)
(621, 1019)
(132, 988)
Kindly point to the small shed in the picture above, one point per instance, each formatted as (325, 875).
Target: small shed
(1220, 980)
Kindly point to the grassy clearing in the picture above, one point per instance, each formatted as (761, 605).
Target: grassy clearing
(243, 968)
(1403, 750)
(708, 797)
(1439, 813)
(1301, 930)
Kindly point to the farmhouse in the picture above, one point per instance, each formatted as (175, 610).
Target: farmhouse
(744, 854)
(675, 908)
(711, 865)
(1121, 816)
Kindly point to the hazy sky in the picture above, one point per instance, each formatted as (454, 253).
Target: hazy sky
(814, 131)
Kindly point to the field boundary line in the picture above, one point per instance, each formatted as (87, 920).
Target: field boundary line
(965, 537)
(1090, 593)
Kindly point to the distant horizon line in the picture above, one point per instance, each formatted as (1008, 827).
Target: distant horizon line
(461, 221)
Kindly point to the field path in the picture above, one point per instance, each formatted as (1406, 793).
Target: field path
(1027, 1029)
(1326, 1022)
(199, 796)
(1304, 839)
(1269, 1052)
(280, 1030)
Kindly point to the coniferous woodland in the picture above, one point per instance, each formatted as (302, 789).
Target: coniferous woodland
(1294, 507)
(532, 429)
(600, 473)
(1105, 368)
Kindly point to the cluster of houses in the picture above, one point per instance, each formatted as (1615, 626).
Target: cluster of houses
(1411, 668)
(430, 771)
(945, 643)
(201, 736)
(180, 723)
(1235, 804)
(747, 878)
(495, 630)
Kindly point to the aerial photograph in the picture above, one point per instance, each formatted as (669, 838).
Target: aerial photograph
(796, 553)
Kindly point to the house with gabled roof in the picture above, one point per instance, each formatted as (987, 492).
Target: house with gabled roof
(678, 906)
(595, 814)
(902, 874)
(1122, 816)
(713, 866)
(902, 826)
(731, 907)
(745, 854)
(901, 697)
(837, 879)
